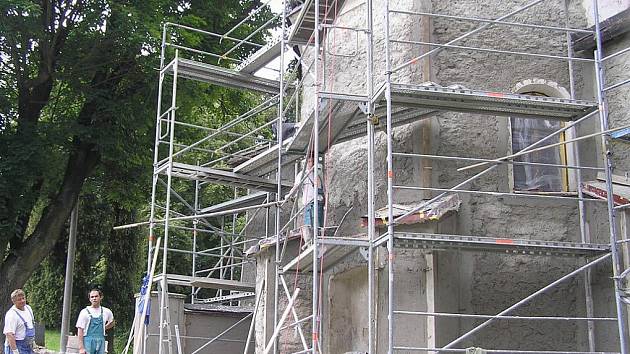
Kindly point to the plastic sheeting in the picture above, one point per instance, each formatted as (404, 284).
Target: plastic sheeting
(526, 131)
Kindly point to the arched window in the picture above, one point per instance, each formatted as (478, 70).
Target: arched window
(527, 131)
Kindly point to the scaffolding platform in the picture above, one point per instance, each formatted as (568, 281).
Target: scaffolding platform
(228, 178)
(206, 283)
(261, 57)
(505, 245)
(304, 25)
(484, 102)
(223, 77)
(331, 251)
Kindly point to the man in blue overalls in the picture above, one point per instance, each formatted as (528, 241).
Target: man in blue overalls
(19, 327)
(92, 323)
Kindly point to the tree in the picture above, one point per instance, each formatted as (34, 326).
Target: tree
(77, 97)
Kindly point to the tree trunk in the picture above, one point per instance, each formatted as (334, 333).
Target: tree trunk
(22, 262)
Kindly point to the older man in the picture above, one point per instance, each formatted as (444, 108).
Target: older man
(19, 327)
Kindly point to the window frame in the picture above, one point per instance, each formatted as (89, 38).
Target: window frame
(567, 152)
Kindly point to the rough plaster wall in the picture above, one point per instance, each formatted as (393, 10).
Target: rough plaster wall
(617, 70)
(487, 283)
(498, 280)
(201, 327)
(347, 299)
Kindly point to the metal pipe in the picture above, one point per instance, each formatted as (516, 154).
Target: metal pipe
(524, 318)
(390, 184)
(215, 130)
(457, 158)
(603, 119)
(221, 334)
(623, 51)
(315, 136)
(251, 14)
(280, 137)
(455, 188)
(527, 299)
(164, 290)
(209, 33)
(617, 85)
(499, 194)
(569, 141)
(370, 171)
(67, 287)
(176, 250)
(272, 340)
(465, 35)
(249, 133)
(497, 51)
(251, 326)
(263, 26)
(203, 52)
(207, 215)
(496, 22)
(295, 315)
(497, 351)
(584, 232)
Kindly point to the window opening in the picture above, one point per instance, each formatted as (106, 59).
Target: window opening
(533, 178)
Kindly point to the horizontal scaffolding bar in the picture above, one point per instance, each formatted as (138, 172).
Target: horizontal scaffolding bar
(498, 194)
(496, 51)
(202, 52)
(623, 51)
(497, 351)
(529, 151)
(203, 338)
(210, 255)
(497, 22)
(497, 244)
(226, 132)
(192, 217)
(525, 318)
(249, 16)
(612, 87)
(213, 34)
(232, 265)
(206, 283)
(473, 159)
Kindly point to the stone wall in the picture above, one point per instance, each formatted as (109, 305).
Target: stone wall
(463, 282)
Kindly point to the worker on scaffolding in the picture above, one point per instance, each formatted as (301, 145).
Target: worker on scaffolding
(92, 323)
(309, 184)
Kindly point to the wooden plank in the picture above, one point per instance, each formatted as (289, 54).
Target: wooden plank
(597, 189)
(616, 179)
(610, 29)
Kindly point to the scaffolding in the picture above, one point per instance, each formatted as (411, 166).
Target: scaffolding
(260, 166)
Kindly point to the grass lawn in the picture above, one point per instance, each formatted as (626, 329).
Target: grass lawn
(53, 336)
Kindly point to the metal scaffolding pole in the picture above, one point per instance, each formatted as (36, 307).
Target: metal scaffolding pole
(315, 137)
(390, 185)
(164, 322)
(614, 246)
(370, 173)
(280, 133)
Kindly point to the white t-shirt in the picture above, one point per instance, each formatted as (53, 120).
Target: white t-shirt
(14, 324)
(308, 188)
(84, 317)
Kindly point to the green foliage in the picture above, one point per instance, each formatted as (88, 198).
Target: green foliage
(79, 77)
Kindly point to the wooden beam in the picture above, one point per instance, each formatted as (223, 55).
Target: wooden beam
(610, 29)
